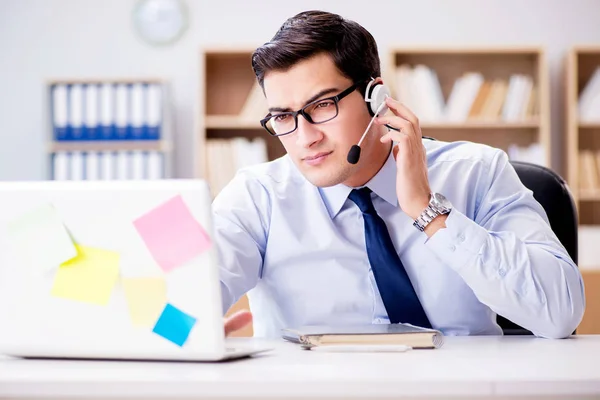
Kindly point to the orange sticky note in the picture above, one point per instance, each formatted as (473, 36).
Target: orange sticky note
(146, 298)
(89, 277)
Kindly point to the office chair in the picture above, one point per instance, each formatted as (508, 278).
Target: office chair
(552, 192)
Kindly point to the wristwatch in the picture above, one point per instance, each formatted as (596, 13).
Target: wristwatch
(438, 205)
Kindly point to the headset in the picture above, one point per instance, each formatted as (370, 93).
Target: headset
(375, 95)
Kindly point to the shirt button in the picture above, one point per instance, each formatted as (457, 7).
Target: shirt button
(502, 272)
(461, 238)
(452, 247)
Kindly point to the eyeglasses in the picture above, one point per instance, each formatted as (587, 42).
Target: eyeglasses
(316, 112)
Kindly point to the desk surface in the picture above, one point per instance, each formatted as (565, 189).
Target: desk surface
(464, 366)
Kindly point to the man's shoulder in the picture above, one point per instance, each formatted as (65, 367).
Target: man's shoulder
(264, 177)
(460, 152)
(280, 170)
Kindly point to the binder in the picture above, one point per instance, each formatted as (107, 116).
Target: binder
(75, 123)
(154, 111)
(107, 111)
(107, 165)
(77, 172)
(155, 165)
(122, 111)
(122, 170)
(59, 111)
(92, 166)
(137, 131)
(138, 165)
(90, 123)
(60, 166)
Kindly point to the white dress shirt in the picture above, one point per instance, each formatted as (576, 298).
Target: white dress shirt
(299, 251)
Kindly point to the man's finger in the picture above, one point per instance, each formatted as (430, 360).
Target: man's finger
(402, 111)
(403, 129)
(237, 321)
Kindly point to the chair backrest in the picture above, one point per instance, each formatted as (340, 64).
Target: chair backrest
(552, 192)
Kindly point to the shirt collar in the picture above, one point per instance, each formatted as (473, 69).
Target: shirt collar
(383, 184)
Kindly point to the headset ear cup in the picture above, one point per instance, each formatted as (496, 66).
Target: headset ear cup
(378, 94)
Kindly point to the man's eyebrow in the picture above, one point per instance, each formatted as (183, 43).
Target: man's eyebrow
(313, 98)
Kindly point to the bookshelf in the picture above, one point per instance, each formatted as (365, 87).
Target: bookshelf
(232, 105)
(116, 128)
(583, 130)
(582, 90)
(496, 96)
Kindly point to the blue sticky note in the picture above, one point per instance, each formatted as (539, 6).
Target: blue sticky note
(174, 325)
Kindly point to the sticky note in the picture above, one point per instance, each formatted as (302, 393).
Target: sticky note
(40, 238)
(146, 298)
(174, 325)
(171, 234)
(89, 277)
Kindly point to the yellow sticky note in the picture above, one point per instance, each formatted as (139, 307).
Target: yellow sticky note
(89, 277)
(146, 298)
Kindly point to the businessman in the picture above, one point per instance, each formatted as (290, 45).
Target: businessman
(436, 234)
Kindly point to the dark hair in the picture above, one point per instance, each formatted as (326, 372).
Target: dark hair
(351, 47)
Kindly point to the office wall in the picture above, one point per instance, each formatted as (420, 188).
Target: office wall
(43, 39)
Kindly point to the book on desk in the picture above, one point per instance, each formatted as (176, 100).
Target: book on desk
(375, 334)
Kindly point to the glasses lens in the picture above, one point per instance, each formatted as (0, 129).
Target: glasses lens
(280, 124)
(322, 111)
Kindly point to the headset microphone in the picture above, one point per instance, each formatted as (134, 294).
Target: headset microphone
(354, 153)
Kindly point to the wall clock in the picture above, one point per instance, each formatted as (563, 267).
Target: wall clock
(160, 22)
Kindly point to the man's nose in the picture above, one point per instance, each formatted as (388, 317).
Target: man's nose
(307, 134)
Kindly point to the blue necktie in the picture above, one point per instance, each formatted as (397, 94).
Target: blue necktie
(398, 295)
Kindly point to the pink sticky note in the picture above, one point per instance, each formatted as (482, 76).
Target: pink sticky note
(171, 234)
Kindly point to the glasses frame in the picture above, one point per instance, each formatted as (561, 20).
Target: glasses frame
(336, 99)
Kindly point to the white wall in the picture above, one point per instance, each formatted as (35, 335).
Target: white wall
(44, 39)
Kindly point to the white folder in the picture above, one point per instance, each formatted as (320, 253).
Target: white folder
(107, 165)
(76, 110)
(59, 108)
(61, 166)
(92, 166)
(76, 166)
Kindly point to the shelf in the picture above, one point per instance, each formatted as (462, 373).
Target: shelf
(481, 125)
(589, 125)
(98, 81)
(457, 50)
(231, 122)
(113, 145)
(589, 195)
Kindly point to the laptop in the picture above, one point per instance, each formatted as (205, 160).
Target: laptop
(123, 270)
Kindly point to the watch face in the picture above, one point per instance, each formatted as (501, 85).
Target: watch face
(442, 202)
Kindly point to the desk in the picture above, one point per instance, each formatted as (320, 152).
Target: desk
(474, 367)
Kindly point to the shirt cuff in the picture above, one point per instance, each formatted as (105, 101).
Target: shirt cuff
(459, 242)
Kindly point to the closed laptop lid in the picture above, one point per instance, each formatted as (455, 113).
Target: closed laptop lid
(108, 267)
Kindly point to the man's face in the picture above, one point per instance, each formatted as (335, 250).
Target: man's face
(320, 150)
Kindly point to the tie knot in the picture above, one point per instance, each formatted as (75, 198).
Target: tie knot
(362, 198)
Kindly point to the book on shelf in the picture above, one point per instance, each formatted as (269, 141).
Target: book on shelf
(108, 165)
(226, 156)
(533, 153)
(106, 111)
(589, 99)
(255, 107)
(473, 97)
(589, 170)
